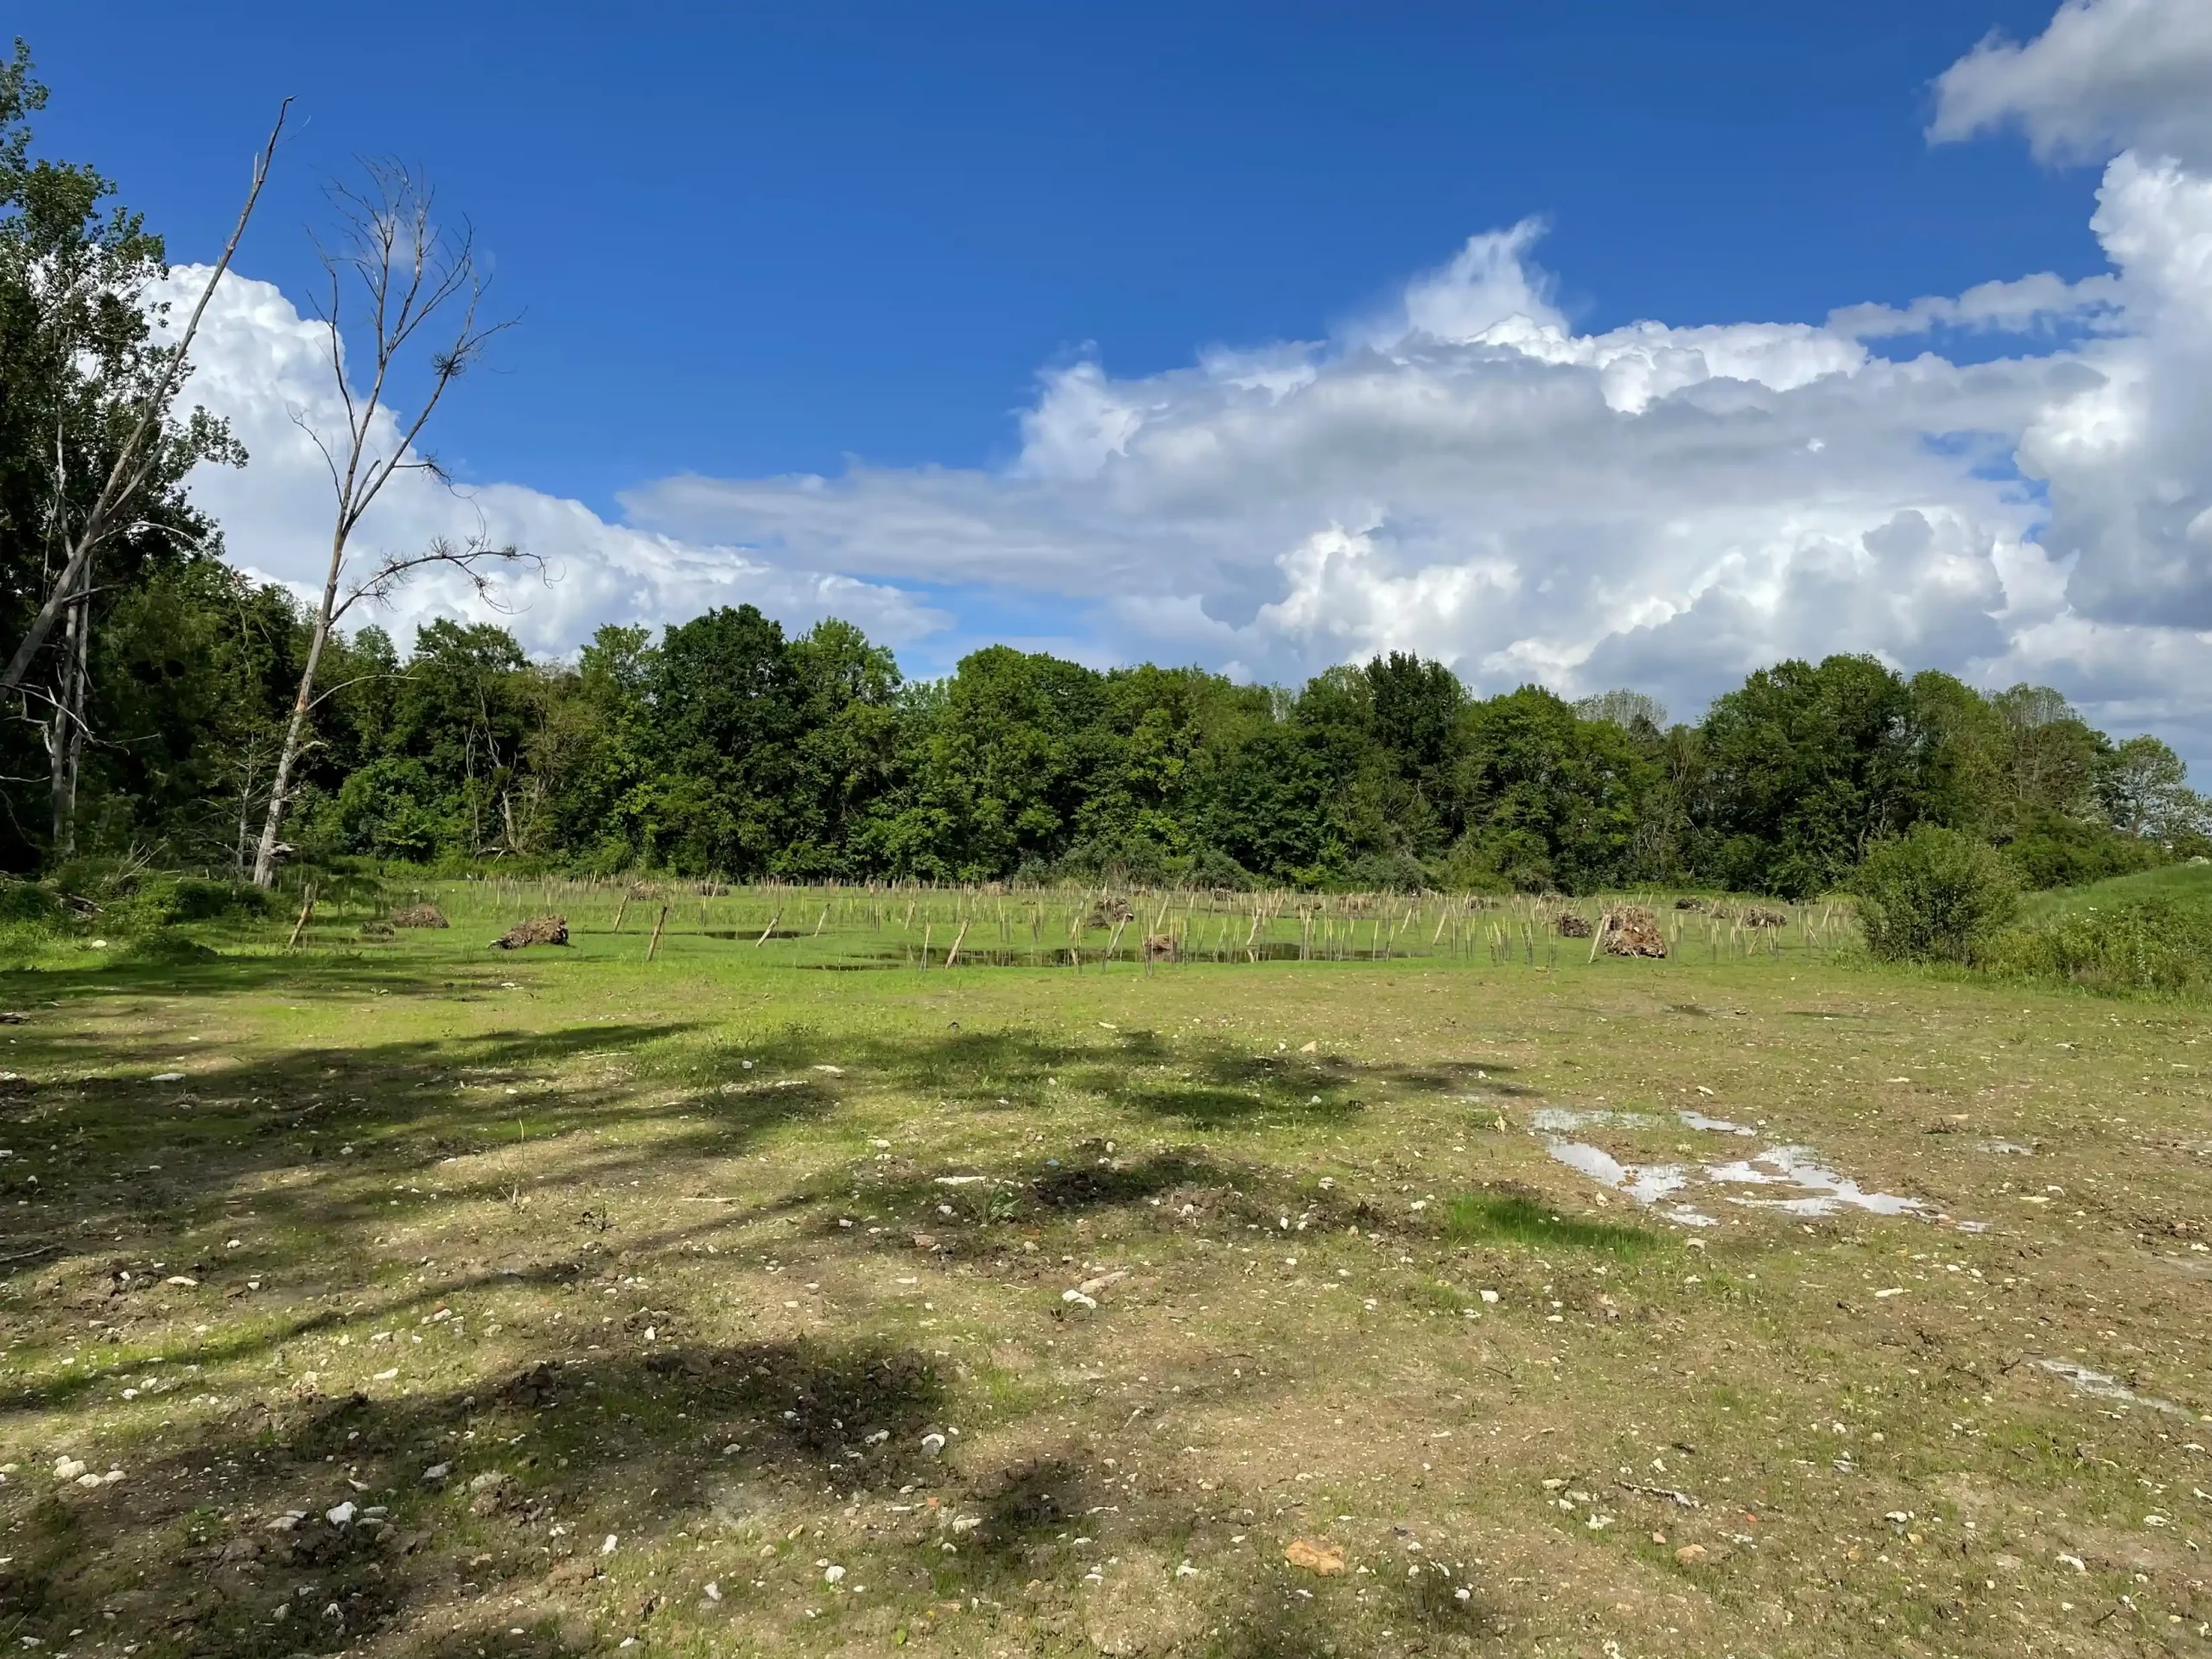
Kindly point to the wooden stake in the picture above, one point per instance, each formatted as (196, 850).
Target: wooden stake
(620, 911)
(300, 926)
(953, 955)
(926, 926)
(653, 943)
(819, 926)
(771, 928)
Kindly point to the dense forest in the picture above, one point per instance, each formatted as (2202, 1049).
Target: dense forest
(149, 724)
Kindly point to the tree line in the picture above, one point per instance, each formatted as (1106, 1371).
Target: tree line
(166, 708)
(726, 746)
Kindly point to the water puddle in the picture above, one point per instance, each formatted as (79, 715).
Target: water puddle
(1713, 1125)
(1820, 1190)
(1565, 1120)
(1652, 1186)
(2098, 1386)
(1798, 1183)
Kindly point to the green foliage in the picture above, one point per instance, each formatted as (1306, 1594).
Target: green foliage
(1933, 895)
(80, 364)
(1548, 799)
(166, 948)
(1807, 766)
(27, 904)
(2052, 849)
(195, 899)
(2154, 945)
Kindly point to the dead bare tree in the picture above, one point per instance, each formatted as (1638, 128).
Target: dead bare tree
(113, 510)
(415, 292)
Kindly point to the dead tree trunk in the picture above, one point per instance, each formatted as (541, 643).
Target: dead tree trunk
(410, 275)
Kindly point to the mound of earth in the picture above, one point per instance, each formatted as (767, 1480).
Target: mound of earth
(546, 930)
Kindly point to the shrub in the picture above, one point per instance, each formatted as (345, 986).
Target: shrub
(165, 948)
(28, 903)
(2052, 851)
(164, 901)
(1934, 895)
(2150, 945)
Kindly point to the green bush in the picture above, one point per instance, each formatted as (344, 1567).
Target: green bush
(29, 905)
(2152, 944)
(165, 900)
(1934, 895)
(165, 948)
(2053, 850)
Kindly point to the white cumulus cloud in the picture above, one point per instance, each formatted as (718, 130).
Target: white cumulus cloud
(1463, 473)
(2106, 75)
(260, 364)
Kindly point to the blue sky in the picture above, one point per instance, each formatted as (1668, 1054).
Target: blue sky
(752, 240)
(1587, 344)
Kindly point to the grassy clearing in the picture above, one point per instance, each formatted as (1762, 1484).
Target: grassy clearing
(1040, 1309)
(2187, 886)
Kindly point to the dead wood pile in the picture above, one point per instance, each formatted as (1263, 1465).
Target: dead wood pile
(419, 916)
(546, 930)
(1572, 926)
(1632, 930)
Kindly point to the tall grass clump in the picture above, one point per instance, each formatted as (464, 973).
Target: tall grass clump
(1933, 895)
(1507, 1217)
(2150, 945)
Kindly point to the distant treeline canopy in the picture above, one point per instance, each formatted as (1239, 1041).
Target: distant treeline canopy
(725, 747)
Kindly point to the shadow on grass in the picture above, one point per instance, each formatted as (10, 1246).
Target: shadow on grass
(198, 1547)
(1201, 1082)
(979, 1213)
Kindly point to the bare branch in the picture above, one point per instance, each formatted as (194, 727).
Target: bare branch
(129, 473)
(470, 557)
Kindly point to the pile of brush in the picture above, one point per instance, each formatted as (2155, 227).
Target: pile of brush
(1631, 931)
(546, 930)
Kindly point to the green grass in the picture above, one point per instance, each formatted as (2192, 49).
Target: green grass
(704, 1253)
(1515, 1217)
(2185, 885)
